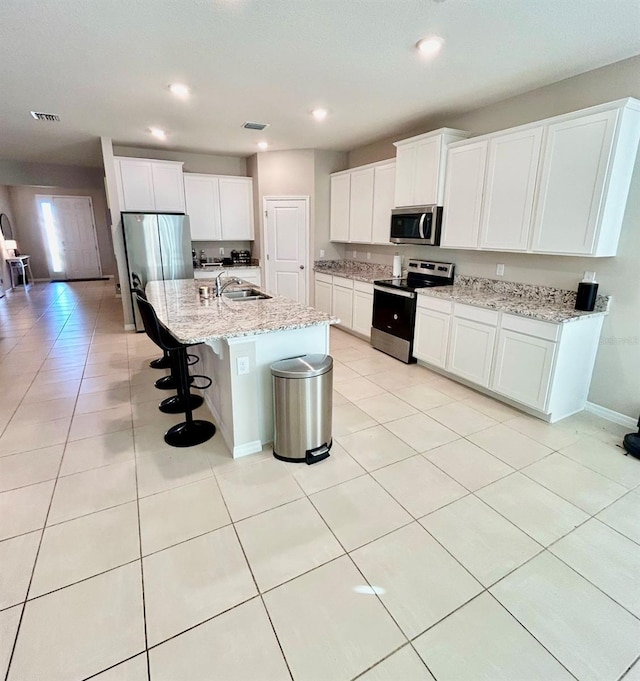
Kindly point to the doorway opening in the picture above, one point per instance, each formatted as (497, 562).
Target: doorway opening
(69, 237)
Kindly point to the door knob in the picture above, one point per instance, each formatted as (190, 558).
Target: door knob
(301, 267)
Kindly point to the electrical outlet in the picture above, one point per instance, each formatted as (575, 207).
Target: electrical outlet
(355, 254)
(243, 365)
(221, 251)
(368, 255)
(500, 270)
(322, 254)
(589, 276)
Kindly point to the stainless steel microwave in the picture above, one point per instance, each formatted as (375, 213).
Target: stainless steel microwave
(416, 225)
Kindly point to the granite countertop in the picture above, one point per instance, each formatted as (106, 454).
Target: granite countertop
(353, 269)
(545, 303)
(194, 320)
(536, 302)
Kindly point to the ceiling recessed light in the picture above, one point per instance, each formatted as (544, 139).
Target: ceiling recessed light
(179, 90)
(319, 114)
(159, 133)
(430, 46)
(263, 145)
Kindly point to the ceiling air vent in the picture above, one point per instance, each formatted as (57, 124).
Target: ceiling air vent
(255, 126)
(39, 116)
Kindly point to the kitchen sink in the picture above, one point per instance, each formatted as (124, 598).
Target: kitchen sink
(246, 294)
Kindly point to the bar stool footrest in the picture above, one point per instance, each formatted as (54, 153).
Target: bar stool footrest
(178, 405)
(169, 383)
(163, 362)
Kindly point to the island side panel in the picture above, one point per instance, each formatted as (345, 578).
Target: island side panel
(242, 404)
(280, 345)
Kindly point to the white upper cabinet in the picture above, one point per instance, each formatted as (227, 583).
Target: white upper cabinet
(463, 195)
(202, 195)
(420, 166)
(512, 166)
(340, 190)
(236, 208)
(584, 182)
(558, 186)
(383, 198)
(361, 203)
(168, 187)
(150, 185)
(220, 208)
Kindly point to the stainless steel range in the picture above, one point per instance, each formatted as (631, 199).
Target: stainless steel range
(394, 306)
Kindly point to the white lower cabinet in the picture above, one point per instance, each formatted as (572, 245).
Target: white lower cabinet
(324, 292)
(543, 366)
(431, 340)
(349, 300)
(362, 308)
(342, 302)
(523, 368)
(473, 336)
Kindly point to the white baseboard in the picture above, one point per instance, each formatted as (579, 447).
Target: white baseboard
(247, 448)
(610, 415)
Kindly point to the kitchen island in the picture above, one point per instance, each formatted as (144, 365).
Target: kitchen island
(241, 339)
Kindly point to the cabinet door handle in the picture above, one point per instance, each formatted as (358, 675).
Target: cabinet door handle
(301, 267)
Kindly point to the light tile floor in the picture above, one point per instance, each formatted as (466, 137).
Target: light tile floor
(448, 536)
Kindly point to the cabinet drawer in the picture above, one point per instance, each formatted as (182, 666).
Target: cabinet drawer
(342, 282)
(476, 314)
(326, 278)
(363, 287)
(444, 306)
(532, 327)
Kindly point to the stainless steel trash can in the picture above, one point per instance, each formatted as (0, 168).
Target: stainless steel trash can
(302, 402)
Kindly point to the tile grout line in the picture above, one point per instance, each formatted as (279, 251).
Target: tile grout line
(35, 562)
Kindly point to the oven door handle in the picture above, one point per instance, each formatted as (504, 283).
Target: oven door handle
(394, 291)
(421, 225)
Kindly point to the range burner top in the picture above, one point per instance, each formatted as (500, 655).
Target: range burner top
(421, 274)
(408, 285)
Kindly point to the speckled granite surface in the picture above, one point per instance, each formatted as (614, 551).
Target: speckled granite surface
(194, 320)
(353, 269)
(537, 302)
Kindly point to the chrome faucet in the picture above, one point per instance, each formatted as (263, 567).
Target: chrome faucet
(220, 287)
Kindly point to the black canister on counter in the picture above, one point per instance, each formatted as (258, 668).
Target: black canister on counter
(586, 298)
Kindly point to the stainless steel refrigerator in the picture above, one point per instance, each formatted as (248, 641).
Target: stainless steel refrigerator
(158, 247)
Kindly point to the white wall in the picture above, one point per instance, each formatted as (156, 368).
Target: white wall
(616, 383)
(25, 180)
(29, 234)
(5, 207)
(281, 173)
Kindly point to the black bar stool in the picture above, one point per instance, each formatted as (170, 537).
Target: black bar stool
(166, 382)
(190, 432)
(163, 362)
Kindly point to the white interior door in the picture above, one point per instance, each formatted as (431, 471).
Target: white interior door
(287, 228)
(78, 246)
(70, 236)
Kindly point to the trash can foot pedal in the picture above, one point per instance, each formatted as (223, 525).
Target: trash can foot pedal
(310, 456)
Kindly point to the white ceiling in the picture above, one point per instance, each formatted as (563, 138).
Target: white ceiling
(104, 67)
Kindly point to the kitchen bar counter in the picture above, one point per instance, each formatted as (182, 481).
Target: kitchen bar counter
(238, 343)
(194, 320)
(536, 302)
